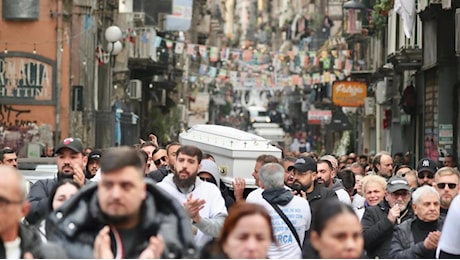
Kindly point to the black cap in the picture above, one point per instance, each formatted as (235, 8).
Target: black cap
(94, 155)
(71, 143)
(304, 164)
(396, 183)
(426, 164)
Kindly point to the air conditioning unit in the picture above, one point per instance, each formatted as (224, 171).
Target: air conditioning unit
(139, 17)
(135, 89)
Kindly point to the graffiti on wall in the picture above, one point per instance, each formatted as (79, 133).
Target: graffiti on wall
(23, 134)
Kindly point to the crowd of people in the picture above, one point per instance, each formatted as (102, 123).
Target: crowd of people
(152, 201)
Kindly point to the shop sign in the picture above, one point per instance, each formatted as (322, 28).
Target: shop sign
(319, 117)
(446, 134)
(349, 93)
(27, 78)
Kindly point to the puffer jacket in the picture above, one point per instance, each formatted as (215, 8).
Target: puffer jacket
(32, 243)
(378, 229)
(403, 245)
(76, 224)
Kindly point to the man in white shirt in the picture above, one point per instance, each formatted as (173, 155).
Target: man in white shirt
(202, 200)
(296, 209)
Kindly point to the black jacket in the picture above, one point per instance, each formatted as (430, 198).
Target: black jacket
(76, 224)
(315, 198)
(158, 174)
(319, 195)
(403, 245)
(31, 242)
(38, 198)
(378, 229)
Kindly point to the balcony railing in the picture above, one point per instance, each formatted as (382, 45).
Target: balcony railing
(141, 46)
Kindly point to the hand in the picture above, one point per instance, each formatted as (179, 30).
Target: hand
(193, 207)
(394, 213)
(102, 249)
(155, 248)
(154, 139)
(238, 188)
(28, 255)
(431, 241)
(302, 194)
(78, 175)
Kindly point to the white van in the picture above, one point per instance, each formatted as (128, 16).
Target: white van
(235, 151)
(258, 115)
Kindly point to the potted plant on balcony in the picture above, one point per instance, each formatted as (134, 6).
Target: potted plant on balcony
(380, 13)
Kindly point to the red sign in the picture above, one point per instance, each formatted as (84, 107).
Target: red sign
(319, 117)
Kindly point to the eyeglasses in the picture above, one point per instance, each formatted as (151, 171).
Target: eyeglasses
(5, 202)
(442, 185)
(158, 161)
(211, 180)
(397, 194)
(428, 175)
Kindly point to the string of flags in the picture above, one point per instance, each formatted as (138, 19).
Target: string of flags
(248, 68)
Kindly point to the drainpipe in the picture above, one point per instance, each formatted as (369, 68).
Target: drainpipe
(59, 43)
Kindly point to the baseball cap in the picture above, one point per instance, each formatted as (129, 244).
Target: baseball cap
(304, 164)
(396, 183)
(71, 143)
(94, 155)
(426, 164)
(331, 159)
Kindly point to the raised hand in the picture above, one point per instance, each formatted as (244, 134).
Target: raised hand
(193, 207)
(155, 248)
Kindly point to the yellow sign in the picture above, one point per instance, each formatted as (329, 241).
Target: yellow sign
(349, 93)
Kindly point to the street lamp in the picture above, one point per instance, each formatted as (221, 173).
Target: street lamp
(352, 16)
(113, 35)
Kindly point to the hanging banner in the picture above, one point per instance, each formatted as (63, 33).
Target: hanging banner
(349, 93)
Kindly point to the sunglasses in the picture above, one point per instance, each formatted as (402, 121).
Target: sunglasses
(158, 161)
(443, 185)
(422, 175)
(211, 180)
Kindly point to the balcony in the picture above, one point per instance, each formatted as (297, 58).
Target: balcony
(404, 53)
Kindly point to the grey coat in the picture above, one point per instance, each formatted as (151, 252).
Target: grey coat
(403, 245)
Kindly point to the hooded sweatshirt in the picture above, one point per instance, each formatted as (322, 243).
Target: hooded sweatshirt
(296, 209)
(213, 213)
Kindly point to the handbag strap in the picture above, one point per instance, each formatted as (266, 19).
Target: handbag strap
(287, 221)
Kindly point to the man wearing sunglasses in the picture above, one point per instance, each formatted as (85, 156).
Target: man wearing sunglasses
(160, 159)
(446, 182)
(426, 168)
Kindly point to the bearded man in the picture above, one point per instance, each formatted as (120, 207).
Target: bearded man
(202, 200)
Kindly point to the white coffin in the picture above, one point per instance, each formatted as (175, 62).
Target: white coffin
(235, 151)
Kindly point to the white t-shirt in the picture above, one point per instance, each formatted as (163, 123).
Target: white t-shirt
(13, 249)
(450, 234)
(358, 205)
(298, 212)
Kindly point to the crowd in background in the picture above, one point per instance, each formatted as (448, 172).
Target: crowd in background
(152, 201)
